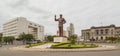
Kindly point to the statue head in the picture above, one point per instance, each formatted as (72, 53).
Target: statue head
(60, 15)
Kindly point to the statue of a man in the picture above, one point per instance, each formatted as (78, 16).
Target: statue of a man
(61, 21)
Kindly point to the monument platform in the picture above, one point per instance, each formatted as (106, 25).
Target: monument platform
(60, 39)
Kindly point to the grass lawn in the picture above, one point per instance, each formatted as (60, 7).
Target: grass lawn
(32, 45)
(71, 46)
(65, 45)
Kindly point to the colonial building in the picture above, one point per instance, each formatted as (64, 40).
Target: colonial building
(101, 33)
(19, 25)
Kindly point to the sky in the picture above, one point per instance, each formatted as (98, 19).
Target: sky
(82, 13)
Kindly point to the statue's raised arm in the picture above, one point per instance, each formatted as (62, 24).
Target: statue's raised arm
(55, 18)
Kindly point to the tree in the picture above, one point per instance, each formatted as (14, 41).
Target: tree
(22, 37)
(73, 39)
(0, 41)
(112, 39)
(118, 39)
(8, 39)
(50, 38)
(26, 38)
(1, 34)
(29, 37)
(0, 37)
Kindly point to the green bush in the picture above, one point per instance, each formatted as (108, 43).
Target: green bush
(32, 45)
(9, 39)
(62, 43)
(111, 39)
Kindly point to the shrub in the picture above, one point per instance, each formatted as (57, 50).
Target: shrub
(62, 43)
(70, 46)
(32, 45)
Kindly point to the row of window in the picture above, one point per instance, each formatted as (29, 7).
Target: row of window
(13, 33)
(106, 31)
(11, 22)
(10, 28)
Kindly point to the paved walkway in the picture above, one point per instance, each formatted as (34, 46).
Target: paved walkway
(43, 46)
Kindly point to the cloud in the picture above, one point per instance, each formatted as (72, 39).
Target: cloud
(82, 13)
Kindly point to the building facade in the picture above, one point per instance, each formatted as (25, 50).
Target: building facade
(70, 29)
(20, 25)
(101, 33)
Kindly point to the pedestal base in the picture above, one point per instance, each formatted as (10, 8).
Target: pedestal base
(60, 39)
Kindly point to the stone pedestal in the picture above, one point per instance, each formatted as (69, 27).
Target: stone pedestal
(60, 39)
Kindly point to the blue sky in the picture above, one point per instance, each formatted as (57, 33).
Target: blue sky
(82, 13)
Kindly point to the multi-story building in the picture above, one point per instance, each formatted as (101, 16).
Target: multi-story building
(64, 33)
(19, 25)
(70, 29)
(101, 33)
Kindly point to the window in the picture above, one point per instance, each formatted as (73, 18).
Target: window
(101, 38)
(30, 23)
(106, 31)
(101, 31)
(35, 25)
(97, 32)
(96, 38)
(112, 32)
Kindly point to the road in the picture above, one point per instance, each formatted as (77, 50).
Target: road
(4, 51)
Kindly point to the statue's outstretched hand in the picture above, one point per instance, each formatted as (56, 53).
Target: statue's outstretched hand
(55, 16)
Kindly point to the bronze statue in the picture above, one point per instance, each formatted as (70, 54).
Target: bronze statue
(60, 25)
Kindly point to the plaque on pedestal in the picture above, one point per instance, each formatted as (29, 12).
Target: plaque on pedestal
(60, 39)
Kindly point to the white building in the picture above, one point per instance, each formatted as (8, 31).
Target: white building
(20, 25)
(70, 29)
